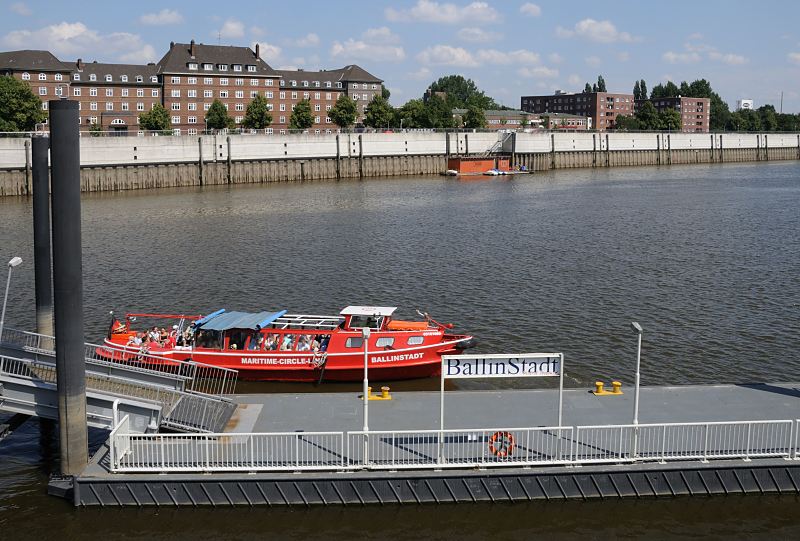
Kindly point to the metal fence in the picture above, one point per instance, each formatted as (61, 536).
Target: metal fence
(462, 448)
(196, 377)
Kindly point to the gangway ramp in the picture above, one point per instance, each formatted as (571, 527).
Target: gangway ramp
(159, 393)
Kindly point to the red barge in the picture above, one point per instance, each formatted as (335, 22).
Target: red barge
(276, 346)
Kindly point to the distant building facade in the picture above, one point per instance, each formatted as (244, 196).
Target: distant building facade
(744, 104)
(602, 107)
(513, 119)
(695, 112)
(186, 81)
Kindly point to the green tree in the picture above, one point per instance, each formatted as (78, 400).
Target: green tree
(344, 112)
(217, 117)
(647, 116)
(413, 114)
(257, 116)
(385, 93)
(379, 113)
(684, 90)
(626, 123)
(643, 89)
(594, 87)
(438, 114)
(637, 91)
(601, 84)
(20, 108)
(719, 114)
(669, 119)
(460, 93)
(788, 122)
(156, 119)
(769, 120)
(474, 117)
(587, 88)
(301, 118)
(95, 129)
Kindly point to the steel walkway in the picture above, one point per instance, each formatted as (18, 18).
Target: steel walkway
(156, 393)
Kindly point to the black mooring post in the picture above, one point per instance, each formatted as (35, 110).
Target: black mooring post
(68, 285)
(40, 147)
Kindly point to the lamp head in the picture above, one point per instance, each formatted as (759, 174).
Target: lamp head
(636, 327)
(365, 332)
(15, 261)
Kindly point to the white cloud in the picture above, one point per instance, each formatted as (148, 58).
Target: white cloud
(728, 58)
(231, 29)
(163, 17)
(420, 74)
(446, 55)
(520, 56)
(597, 31)
(362, 50)
(76, 39)
(794, 58)
(257, 31)
(530, 9)
(593, 61)
(478, 35)
(309, 40)
(268, 51)
(382, 34)
(690, 57)
(426, 11)
(21, 9)
(574, 79)
(555, 58)
(539, 72)
(623, 56)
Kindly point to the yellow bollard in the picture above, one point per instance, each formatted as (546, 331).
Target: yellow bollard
(599, 387)
(616, 387)
(383, 396)
(385, 393)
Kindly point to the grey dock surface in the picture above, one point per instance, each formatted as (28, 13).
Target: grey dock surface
(471, 410)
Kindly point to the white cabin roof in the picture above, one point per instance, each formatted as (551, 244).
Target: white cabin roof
(368, 311)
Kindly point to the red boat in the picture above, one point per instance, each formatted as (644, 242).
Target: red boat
(277, 346)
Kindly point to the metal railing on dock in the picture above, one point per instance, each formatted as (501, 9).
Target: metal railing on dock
(461, 448)
(195, 377)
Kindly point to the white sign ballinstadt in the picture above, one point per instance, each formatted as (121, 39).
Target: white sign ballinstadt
(522, 365)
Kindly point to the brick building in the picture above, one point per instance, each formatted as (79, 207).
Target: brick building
(695, 112)
(186, 81)
(602, 107)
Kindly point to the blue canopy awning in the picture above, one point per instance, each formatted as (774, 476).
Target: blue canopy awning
(240, 320)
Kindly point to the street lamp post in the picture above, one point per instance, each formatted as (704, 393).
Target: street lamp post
(11, 264)
(638, 330)
(365, 332)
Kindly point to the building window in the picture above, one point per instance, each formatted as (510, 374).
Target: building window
(176, 106)
(355, 85)
(239, 82)
(208, 81)
(176, 120)
(237, 67)
(206, 106)
(223, 93)
(58, 77)
(251, 69)
(191, 93)
(154, 93)
(305, 83)
(192, 106)
(282, 95)
(42, 76)
(328, 107)
(140, 106)
(316, 95)
(253, 82)
(305, 95)
(175, 80)
(328, 96)
(268, 94)
(294, 95)
(124, 106)
(208, 93)
(269, 82)
(317, 107)
(282, 107)
(43, 91)
(253, 94)
(109, 78)
(238, 119)
(338, 84)
(223, 82)
(327, 84)
(92, 77)
(374, 86)
(270, 107)
(59, 90)
(192, 120)
(283, 120)
(294, 83)
(76, 77)
(76, 91)
(140, 92)
(26, 76)
(109, 106)
(239, 107)
(176, 93)
(364, 86)
(124, 92)
(316, 84)
(222, 67)
(283, 82)
(191, 80)
(110, 92)
(208, 67)
(316, 120)
(192, 65)
(191, 131)
(239, 94)
(123, 78)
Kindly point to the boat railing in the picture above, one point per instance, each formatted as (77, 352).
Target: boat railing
(197, 377)
(460, 448)
(291, 321)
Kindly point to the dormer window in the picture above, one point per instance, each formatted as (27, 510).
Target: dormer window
(92, 77)
(294, 83)
(153, 79)
(305, 83)
(108, 78)
(26, 76)
(222, 67)
(251, 69)
(338, 84)
(139, 79)
(58, 76)
(237, 67)
(76, 77)
(283, 82)
(192, 65)
(316, 84)
(123, 78)
(208, 67)
(327, 84)
(42, 76)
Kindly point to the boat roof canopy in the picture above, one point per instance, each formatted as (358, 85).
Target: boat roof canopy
(239, 320)
(368, 311)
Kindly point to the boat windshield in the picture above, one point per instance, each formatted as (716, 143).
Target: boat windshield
(361, 322)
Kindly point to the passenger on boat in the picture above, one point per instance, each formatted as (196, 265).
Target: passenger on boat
(271, 343)
(287, 342)
(256, 341)
(135, 340)
(304, 344)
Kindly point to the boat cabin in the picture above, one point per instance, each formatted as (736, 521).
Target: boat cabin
(366, 317)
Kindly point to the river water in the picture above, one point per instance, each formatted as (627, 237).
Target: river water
(705, 257)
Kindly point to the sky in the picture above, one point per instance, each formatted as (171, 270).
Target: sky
(509, 48)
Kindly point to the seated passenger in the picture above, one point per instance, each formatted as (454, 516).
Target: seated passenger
(287, 342)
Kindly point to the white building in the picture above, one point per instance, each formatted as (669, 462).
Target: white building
(744, 104)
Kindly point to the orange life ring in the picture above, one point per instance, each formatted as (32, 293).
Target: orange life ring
(501, 444)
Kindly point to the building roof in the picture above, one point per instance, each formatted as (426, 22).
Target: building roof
(495, 112)
(179, 57)
(351, 73)
(32, 60)
(116, 71)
